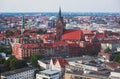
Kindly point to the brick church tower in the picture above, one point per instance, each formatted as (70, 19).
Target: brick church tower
(59, 26)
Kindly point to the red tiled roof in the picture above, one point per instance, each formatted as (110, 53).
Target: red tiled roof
(59, 43)
(47, 36)
(89, 34)
(100, 35)
(86, 31)
(61, 61)
(72, 35)
(115, 33)
(31, 46)
(55, 43)
(73, 44)
(114, 65)
(89, 44)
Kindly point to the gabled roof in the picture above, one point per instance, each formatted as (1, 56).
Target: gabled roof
(61, 61)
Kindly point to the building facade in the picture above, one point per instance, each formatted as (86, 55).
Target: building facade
(48, 74)
(23, 73)
(26, 48)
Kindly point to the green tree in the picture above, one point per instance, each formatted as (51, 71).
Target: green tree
(5, 50)
(22, 63)
(14, 64)
(7, 63)
(2, 60)
(9, 33)
(40, 31)
(1, 48)
(18, 31)
(107, 49)
(34, 60)
(117, 58)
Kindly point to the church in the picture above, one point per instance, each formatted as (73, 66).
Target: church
(71, 42)
(61, 43)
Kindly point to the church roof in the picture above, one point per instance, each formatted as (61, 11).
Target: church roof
(72, 35)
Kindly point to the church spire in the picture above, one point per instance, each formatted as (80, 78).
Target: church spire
(60, 12)
(59, 26)
(22, 26)
(22, 21)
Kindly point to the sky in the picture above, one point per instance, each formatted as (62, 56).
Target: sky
(66, 5)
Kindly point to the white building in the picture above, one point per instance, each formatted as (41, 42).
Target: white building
(3, 54)
(112, 45)
(84, 66)
(48, 74)
(23, 73)
(115, 75)
(58, 64)
(44, 64)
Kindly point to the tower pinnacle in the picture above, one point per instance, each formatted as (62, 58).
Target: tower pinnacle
(22, 26)
(60, 12)
(22, 21)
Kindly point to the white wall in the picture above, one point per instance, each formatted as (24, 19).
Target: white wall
(43, 65)
(115, 74)
(23, 75)
(41, 76)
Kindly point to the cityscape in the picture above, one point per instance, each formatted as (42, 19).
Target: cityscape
(81, 43)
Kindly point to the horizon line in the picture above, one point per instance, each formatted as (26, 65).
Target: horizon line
(57, 12)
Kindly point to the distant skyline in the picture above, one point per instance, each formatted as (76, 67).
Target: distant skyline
(66, 5)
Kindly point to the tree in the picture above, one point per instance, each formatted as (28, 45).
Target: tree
(18, 31)
(117, 58)
(22, 63)
(5, 50)
(14, 64)
(9, 33)
(7, 63)
(107, 49)
(40, 31)
(34, 60)
(2, 60)
(1, 48)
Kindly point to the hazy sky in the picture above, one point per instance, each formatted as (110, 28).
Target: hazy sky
(66, 5)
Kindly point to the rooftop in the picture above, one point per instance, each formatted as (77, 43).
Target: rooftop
(16, 71)
(50, 71)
